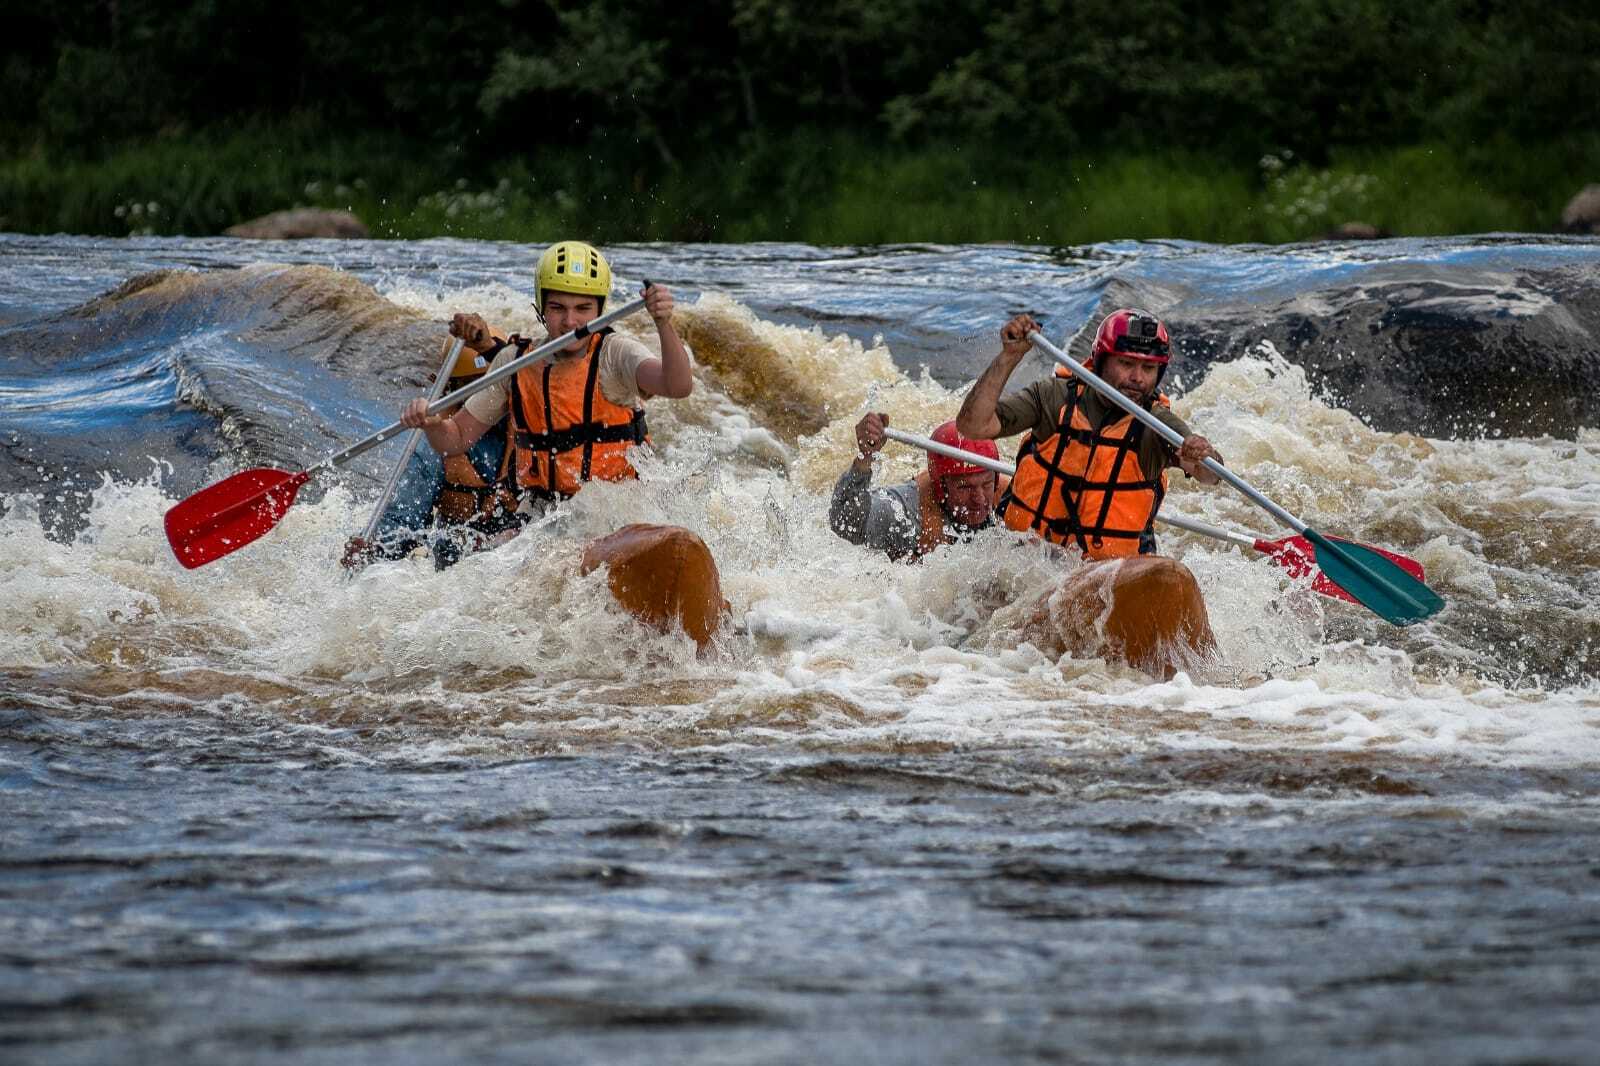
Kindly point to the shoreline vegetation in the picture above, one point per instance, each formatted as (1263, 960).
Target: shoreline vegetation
(1050, 122)
(811, 187)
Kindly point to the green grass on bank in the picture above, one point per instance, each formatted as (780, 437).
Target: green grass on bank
(816, 188)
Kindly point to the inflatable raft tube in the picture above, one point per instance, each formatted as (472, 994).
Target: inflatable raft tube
(1145, 611)
(662, 575)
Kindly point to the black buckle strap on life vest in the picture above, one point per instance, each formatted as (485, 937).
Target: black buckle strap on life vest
(1065, 433)
(588, 413)
(1093, 438)
(1009, 498)
(585, 434)
(1134, 435)
(481, 494)
(1052, 466)
(592, 433)
(1071, 486)
(1079, 484)
(1066, 527)
(549, 420)
(582, 435)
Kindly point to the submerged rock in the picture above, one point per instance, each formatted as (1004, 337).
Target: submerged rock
(1480, 351)
(298, 223)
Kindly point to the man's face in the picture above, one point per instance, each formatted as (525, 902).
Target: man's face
(968, 498)
(566, 311)
(1134, 378)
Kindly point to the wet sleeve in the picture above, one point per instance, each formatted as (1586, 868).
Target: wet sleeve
(891, 527)
(873, 519)
(1165, 416)
(851, 506)
(1156, 454)
(1020, 410)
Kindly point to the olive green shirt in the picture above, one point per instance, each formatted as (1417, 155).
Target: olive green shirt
(1038, 407)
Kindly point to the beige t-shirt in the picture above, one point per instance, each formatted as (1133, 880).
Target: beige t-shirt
(620, 358)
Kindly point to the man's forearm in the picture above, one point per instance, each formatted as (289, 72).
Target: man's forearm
(675, 372)
(979, 416)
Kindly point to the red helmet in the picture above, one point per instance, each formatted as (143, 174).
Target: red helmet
(1134, 333)
(942, 466)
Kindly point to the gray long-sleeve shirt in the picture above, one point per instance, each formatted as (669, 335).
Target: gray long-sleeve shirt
(887, 520)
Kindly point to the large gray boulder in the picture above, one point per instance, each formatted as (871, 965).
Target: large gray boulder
(1583, 212)
(299, 222)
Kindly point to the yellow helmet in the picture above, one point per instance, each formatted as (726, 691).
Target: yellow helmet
(572, 266)
(469, 364)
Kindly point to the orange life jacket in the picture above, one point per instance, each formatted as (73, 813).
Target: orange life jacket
(1084, 485)
(465, 494)
(563, 431)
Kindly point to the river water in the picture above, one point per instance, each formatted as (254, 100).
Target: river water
(265, 812)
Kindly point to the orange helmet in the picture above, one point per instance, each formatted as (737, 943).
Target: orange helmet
(943, 466)
(469, 364)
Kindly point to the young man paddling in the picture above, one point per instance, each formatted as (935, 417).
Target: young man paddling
(571, 418)
(1088, 474)
(950, 501)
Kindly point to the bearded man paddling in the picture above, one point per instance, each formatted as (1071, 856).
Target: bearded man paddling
(1091, 478)
(1088, 474)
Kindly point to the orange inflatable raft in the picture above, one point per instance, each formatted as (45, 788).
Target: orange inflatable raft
(1146, 611)
(662, 575)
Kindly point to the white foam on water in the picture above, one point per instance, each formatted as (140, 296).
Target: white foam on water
(512, 650)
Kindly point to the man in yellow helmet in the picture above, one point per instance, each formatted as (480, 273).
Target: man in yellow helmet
(571, 418)
(446, 506)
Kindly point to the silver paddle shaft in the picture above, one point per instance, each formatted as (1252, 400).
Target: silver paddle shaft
(440, 382)
(493, 377)
(1167, 433)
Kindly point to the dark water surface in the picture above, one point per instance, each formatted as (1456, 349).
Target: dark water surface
(274, 901)
(264, 812)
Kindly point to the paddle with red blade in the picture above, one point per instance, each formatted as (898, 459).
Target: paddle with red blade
(1297, 555)
(222, 518)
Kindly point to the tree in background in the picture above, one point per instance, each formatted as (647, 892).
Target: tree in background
(763, 108)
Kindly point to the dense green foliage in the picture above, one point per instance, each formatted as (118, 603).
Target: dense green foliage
(1045, 120)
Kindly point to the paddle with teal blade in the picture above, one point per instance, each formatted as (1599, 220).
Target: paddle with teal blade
(1296, 555)
(1373, 580)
